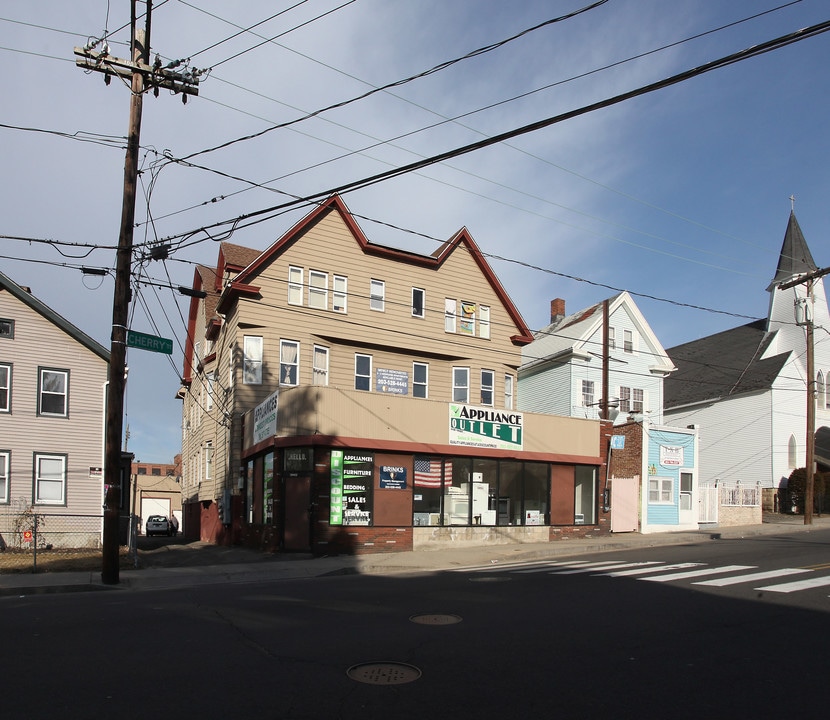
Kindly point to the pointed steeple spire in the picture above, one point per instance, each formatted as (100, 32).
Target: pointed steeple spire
(795, 258)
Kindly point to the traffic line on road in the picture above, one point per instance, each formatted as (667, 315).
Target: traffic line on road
(645, 570)
(593, 568)
(797, 585)
(698, 573)
(752, 577)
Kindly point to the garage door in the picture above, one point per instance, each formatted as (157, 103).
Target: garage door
(154, 506)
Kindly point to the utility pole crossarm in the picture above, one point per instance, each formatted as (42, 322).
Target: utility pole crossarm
(154, 76)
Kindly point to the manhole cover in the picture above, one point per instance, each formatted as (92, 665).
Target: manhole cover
(384, 673)
(435, 619)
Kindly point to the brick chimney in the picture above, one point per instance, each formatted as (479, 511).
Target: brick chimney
(557, 310)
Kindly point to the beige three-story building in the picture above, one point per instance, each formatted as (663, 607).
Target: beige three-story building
(341, 395)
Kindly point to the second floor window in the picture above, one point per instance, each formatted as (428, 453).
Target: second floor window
(208, 460)
(587, 393)
(53, 393)
(320, 366)
(362, 372)
(487, 380)
(252, 360)
(461, 384)
(377, 295)
(508, 392)
(289, 362)
(420, 380)
(631, 400)
(4, 476)
(5, 388)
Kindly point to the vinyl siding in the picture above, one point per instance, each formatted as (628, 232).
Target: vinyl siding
(39, 343)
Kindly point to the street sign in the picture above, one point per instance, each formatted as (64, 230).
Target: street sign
(149, 342)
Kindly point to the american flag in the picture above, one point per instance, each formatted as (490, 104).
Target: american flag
(427, 473)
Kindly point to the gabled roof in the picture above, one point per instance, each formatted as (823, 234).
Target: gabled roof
(571, 335)
(795, 258)
(233, 258)
(78, 335)
(242, 284)
(722, 365)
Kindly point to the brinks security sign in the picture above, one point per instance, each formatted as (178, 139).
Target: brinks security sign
(485, 427)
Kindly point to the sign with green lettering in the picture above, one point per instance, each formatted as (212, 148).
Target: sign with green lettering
(152, 343)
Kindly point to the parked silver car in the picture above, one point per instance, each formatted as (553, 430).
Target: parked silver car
(158, 525)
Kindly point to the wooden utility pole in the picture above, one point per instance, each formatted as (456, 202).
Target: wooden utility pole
(138, 70)
(806, 319)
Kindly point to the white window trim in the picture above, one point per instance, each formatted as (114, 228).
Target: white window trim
(588, 399)
(509, 390)
(629, 342)
(665, 486)
(367, 376)
(252, 362)
(295, 285)
(423, 294)
(491, 388)
(484, 322)
(425, 384)
(42, 392)
(318, 294)
(319, 373)
(465, 387)
(377, 295)
(284, 344)
(450, 314)
(209, 460)
(38, 478)
(210, 380)
(339, 297)
(8, 388)
(5, 456)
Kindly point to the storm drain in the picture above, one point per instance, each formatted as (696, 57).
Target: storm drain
(435, 619)
(384, 673)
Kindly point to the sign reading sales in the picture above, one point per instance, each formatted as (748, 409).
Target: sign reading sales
(485, 427)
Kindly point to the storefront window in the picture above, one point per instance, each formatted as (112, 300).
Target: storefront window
(585, 495)
(484, 486)
(509, 504)
(537, 493)
(426, 482)
(268, 489)
(457, 494)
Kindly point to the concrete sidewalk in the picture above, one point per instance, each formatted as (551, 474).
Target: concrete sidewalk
(291, 566)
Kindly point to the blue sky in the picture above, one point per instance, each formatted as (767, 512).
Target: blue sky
(680, 196)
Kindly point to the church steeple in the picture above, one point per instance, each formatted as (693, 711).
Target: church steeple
(795, 258)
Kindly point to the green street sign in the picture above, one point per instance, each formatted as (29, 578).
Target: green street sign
(149, 342)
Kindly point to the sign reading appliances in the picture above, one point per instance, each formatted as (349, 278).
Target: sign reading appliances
(485, 427)
(352, 477)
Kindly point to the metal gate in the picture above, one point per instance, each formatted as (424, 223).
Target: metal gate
(708, 504)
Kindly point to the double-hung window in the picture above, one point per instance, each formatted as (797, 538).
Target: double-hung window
(362, 372)
(420, 380)
(210, 378)
(637, 400)
(252, 361)
(7, 329)
(339, 293)
(461, 384)
(4, 476)
(377, 295)
(50, 479)
(318, 290)
(418, 302)
(209, 460)
(628, 341)
(5, 387)
(449, 315)
(484, 321)
(661, 490)
(289, 362)
(508, 392)
(612, 340)
(487, 381)
(295, 285)
(587, 393)
(53, 392)
(320, 365)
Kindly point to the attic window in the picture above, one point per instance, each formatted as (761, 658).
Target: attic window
(7, 329)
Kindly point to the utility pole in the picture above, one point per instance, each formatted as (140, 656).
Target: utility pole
(138, 70)
(804, 316)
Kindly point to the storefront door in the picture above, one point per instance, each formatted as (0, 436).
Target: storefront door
(297, 521)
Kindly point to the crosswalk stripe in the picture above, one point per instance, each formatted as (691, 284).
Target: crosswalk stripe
(598, 568)
(643, 571)
(806, 584)
(518, 565)
(752, 577)
(698, 573)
